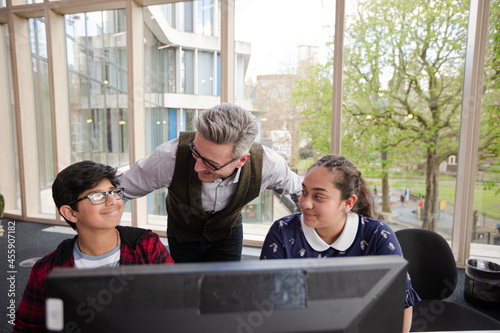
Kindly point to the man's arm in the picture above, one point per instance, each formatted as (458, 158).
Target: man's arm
(295, 198)
(277, 176)
(151, 173)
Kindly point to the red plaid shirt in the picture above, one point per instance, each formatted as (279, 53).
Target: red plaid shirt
(138, 247)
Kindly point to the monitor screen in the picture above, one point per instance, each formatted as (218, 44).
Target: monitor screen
(354, 294)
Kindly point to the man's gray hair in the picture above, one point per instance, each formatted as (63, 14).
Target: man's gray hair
(228, 124)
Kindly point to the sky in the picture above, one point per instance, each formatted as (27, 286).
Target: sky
(275, 28)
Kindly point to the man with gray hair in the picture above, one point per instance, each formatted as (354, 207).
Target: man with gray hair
(211, 174)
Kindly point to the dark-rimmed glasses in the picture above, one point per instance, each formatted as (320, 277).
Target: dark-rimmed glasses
(207, 163)
(101, 197)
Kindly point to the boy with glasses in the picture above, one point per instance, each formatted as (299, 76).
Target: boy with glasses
(89, 199)
(211, 174)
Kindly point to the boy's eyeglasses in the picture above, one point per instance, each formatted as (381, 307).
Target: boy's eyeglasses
(207, 163)
(101, 197)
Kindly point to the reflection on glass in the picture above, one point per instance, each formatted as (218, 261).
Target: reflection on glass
(189, 118)
(188, 17)
(169, 70)
(205, 73)
(486, 221)
(94, 29)
(173, 64)
(159, 130)
(204, 18)
(14, 189)
(188, 71)
(42, 112)
(42, 39)
(97, 72)
(177, 63)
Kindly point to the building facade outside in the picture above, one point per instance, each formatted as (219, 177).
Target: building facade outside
(181, 78)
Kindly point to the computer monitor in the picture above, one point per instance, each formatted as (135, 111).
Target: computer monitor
(354, 294)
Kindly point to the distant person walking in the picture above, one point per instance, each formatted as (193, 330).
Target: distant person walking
(402, 197)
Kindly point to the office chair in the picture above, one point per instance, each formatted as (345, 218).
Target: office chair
(433, 273)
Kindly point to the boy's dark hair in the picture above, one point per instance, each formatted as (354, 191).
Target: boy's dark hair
(77, 178)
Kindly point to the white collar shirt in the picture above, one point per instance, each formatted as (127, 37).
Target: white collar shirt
(342, 243)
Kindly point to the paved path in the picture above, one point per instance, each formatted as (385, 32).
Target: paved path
(406, 217)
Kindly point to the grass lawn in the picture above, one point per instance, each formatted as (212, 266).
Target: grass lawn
(303, 165)
(485, 201)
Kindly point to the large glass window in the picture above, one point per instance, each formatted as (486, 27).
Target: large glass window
(169, 67)
(97, 76)
(174, 65)
(188, 16)
(403, 73)
(157, 126)
(168, 11)
(205, 73)
(241, 65)
(205, 17)
(402, 86)
(187, 72)
(159, 77)
(42, 112)
(10, 182)
(189, 116)
(281, 56)
(486, 220)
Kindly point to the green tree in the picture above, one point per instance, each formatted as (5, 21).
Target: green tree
(276, 90)
(366, 107)
(427, 62)
(403, 66)
(489, 140)
(313, 96)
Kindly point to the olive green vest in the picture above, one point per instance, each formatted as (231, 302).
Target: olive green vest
(184, 208)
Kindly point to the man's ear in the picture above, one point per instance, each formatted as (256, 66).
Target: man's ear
(68, 213)
(242, 160)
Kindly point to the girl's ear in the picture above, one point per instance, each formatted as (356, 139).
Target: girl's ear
(349, 202)
(68, 213)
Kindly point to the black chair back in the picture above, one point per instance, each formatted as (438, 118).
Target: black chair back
(431, 263)
(433, 273)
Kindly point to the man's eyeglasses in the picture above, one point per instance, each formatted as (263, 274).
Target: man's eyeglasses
(207, 163)
(101, 197)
